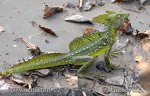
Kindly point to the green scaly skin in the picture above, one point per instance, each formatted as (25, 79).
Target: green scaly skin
(80, 55)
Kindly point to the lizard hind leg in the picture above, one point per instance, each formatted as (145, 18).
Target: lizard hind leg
(114, 53)
(88, 62)
(109, 65)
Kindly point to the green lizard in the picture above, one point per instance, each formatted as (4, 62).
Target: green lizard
(83, 50)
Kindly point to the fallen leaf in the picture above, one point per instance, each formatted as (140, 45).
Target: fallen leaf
(49, 11)
(142, 35)
(88, 5)
(35, 50)
(126, 27)
(47, 30)
(138, 58)
(6, 84)
(78, 19)
(72, 80)
(146, 45)
(134, 93)
(144, 66)
(141, 50)
(117, 80)
(22, 79)
(89, 30)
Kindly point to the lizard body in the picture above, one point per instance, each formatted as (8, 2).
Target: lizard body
(82, 49)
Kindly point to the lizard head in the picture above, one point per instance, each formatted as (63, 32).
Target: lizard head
(111, 19)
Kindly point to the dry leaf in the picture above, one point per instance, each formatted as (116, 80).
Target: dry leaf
(141, 50)
(144, 66)
(126, 27)
(134, 93)
(89, 30)
(49, 11)
(22, 79)
(146, 45)
(142, 35)
(72, 80)
(8, 84)
(47, 30)
(144, 73)
(77, 19)
(138, 58)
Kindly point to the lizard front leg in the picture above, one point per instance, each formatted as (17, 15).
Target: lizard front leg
(87, 60)
(107, 57)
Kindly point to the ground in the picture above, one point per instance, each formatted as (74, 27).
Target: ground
(16, 17)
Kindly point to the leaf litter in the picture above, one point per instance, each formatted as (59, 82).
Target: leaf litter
(22, 79)
(88, 5)
(48, 30)
(141, 54)
(50, 11)
(78, 19)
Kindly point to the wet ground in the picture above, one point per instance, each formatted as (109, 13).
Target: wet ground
(16, 17)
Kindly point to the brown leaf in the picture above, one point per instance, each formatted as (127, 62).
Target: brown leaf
(142, 35)
(22, 79)
(49, 11)
(146, 45)
(47, 30)
(144, 65)
(88, 30)
(126, 27)
(138, 58)
(141, 50)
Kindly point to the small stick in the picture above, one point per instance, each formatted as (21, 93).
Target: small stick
(28, 44)
(131, 10)
(80, 3)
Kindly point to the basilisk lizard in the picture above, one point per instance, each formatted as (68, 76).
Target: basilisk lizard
(83, 50)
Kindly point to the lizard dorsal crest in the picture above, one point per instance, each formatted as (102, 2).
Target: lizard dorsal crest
(83, 40)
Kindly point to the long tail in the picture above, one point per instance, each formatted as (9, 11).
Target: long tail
(42, 61)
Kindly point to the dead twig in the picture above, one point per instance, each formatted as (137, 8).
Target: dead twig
(35, 51)
(80, 3)
(131, 10)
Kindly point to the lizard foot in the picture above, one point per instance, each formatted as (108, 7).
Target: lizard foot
(114, 53)
(82, 75)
